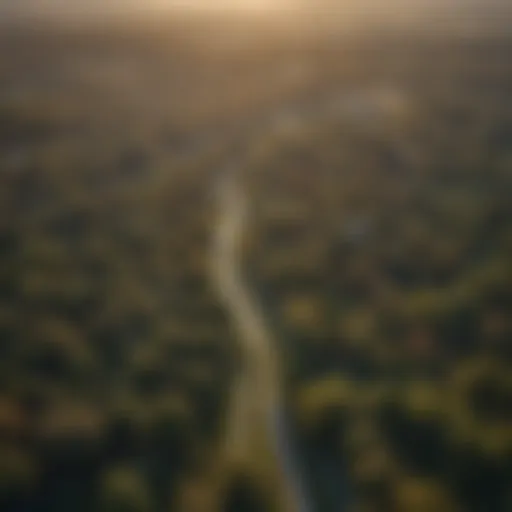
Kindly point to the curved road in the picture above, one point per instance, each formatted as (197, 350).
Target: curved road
(256, 423)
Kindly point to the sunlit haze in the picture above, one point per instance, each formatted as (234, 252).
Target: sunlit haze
(248, 5)
(338, 11)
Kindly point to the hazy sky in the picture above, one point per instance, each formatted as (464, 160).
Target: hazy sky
(344, 9)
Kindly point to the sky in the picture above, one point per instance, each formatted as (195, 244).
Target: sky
(473, 10)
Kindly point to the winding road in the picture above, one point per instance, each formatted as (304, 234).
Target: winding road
(257, 424)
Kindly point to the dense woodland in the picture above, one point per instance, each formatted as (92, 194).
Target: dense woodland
(380, 247)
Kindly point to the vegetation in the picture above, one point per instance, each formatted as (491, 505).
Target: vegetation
(380, 248)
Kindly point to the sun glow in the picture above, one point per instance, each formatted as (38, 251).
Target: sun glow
(226, 5)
